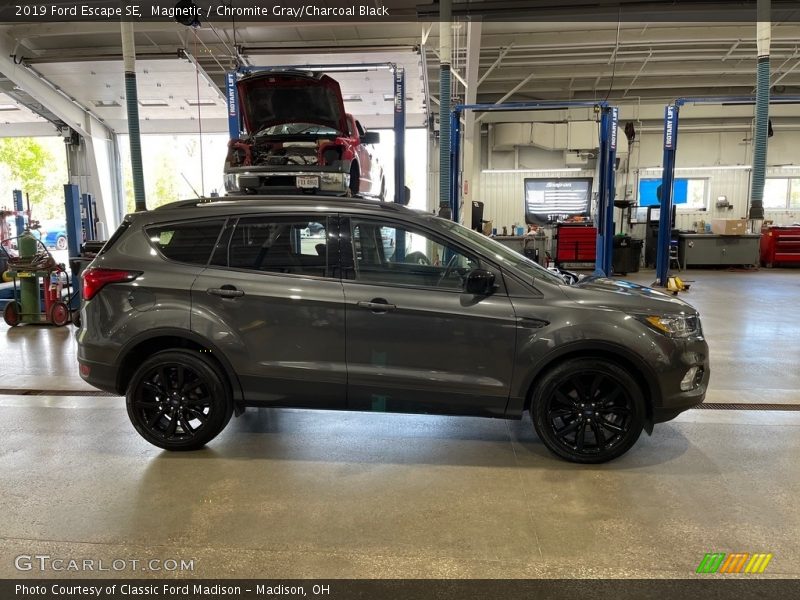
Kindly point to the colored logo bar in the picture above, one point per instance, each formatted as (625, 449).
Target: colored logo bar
(735, 562)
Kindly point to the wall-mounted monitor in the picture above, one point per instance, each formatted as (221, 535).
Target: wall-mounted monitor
(548, 200)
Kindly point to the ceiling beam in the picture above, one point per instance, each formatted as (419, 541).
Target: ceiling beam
(55, 100)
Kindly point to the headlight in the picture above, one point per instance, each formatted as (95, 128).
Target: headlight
(677, 326)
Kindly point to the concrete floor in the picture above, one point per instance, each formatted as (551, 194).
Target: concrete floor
(289, 493)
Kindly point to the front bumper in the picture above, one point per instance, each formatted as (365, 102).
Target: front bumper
(674, 400)
(277, 181)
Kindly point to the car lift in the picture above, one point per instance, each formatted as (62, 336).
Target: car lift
(609, 117)
(399, 88)
(671, 120)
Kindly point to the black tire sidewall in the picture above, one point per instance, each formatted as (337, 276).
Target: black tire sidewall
(222, 404)
(555, 377)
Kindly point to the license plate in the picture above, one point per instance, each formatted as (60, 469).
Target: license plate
(308, 182)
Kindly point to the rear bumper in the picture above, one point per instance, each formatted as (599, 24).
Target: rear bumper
(99, 375)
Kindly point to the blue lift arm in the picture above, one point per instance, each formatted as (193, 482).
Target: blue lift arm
(606, 175)
(671, 120)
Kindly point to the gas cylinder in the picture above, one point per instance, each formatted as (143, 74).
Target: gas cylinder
(30, 301)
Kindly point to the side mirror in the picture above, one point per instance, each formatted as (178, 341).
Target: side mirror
(371, 137)
(479, 282)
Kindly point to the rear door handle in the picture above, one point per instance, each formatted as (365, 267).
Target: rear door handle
(226, 291)
(377, 305)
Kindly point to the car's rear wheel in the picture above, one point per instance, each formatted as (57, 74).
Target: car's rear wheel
(61, 243)
(12, 314)
(588, 410)
(178, 400)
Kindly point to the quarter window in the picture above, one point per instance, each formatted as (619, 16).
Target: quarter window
(189, 242)
(294, 245)
(393, 254)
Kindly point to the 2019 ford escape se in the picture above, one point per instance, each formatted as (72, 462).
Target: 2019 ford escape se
(200, 308)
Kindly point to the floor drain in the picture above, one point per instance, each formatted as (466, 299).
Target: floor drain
(746, 406)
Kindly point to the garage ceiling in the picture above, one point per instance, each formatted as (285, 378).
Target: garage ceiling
(636, 63)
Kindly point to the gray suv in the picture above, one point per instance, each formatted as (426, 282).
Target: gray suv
(200, 308)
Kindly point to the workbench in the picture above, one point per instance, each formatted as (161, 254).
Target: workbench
(713, 249)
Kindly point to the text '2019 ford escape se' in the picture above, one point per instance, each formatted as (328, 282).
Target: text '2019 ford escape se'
(200, 308)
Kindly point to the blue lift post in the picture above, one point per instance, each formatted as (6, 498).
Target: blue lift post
(609, 117)
(19, 208)
(72, 209)
(671, 120)
(399, 112)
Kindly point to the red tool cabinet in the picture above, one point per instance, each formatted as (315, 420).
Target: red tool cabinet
(780, 245)
(575, 243)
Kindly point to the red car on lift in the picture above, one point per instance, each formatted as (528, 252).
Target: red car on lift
(300, 139)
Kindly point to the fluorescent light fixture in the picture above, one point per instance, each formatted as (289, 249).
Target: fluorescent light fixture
(153, 102)
(567, 170)
(106, 103)
(201, 102)
(352, 98)
(7, 107)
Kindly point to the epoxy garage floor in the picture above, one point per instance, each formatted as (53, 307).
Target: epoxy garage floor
(289, 493)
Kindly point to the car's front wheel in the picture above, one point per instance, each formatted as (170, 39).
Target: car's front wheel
(588, 410)
(178, 400)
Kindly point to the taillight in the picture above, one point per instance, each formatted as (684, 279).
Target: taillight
(96, 278)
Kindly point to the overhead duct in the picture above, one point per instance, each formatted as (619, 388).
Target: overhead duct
(761, 133)
(573, 136)
(445, 52)
(132, 103)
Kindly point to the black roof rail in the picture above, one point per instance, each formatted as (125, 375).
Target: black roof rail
(282, 200)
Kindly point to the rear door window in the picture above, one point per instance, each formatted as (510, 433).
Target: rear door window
(189, 242)
(296, 245)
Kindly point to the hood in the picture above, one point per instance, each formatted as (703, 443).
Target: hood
(268, 99)
(626, 296)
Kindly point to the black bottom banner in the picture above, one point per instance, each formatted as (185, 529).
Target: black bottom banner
(394, 589)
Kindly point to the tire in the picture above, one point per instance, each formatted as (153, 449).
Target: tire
(355, 180)
(61, 243)
(59, 314)
(382, 196)
(585, 400)
(11, 314)
(179, 421)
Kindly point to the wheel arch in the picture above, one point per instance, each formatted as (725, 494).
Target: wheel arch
(618, 355)
(142, 346)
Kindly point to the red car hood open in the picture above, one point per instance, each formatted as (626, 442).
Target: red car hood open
(268, 99)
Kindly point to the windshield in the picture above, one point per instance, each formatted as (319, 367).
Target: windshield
(298, 129)
(504, 255)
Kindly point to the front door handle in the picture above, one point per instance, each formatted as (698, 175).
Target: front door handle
(226, 291)
(377, 305)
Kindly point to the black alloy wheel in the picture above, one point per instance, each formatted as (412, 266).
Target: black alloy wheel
(178, 400)
(588, 410)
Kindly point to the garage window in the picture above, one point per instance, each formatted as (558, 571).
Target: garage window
(190, 242)
(782, 193)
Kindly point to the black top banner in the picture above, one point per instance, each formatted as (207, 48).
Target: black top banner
(197, 12)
